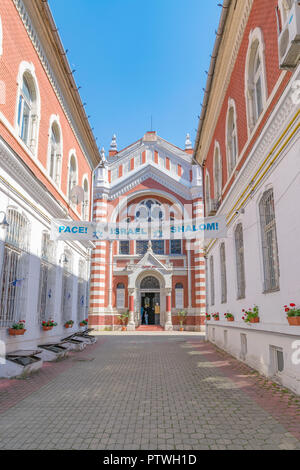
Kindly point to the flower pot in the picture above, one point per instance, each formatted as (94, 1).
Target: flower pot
(181, 329)
(124, 328)
(82, 324)
(47, 328)
(230, 319)
(217, 319)
(254, 320)
(294, 321)
(13, 332)
(68, 326)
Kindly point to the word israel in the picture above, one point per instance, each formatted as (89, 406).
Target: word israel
(214, 227)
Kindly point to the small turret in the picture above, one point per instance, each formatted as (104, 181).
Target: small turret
(113, 146)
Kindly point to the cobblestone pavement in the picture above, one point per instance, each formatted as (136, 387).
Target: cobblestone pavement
(147, 392)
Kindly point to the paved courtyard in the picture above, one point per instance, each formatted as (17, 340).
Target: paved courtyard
(147, 392)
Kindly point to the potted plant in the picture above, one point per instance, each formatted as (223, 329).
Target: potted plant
(207, 316)
(48, 325)
(229, 316)
(182, 316)
(18, 328)
(84, 322)
(216, 316)
(293, 314)
(251, 316)
(123, 319)
(69, 324)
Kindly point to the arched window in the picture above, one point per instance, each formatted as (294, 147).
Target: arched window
(269, 241)
(150, 282)
(255, 79)
(217, 173)
(212, 280)
(55, 153)
(1, 38)
(179, 295)
(120, 295)
(240, 262)
(146, 211)
(13, 269)
(73, 177)
(207, 194)
(28, 109)
(86, 200)
(231, 138)
(223, 274)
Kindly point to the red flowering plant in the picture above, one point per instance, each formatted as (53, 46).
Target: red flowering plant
(84, 322)
(250, 315)
(292, 311)
(20, 325)
(216, 316)
(228, 315)
(207, 316)
(49, 323)
(69, 322)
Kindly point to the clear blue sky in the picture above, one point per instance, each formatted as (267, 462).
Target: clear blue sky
(137, 58)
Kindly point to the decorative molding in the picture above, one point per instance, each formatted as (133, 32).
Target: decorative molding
(50, 74)
(222, 84)
(277, 122)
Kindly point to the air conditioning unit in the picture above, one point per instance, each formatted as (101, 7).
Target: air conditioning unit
(289, 39)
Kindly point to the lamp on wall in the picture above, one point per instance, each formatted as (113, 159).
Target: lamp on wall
(64, 259)
(4, 223)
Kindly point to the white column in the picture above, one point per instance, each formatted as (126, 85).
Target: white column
(131, 322)
(168, 324)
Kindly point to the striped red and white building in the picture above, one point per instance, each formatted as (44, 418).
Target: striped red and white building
(152, 179)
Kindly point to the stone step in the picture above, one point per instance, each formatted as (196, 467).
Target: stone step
(149, 328)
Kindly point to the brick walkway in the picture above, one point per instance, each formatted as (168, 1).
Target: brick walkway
(147, 392)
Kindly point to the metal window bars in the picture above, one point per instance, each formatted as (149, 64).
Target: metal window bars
(240, 261)
(269, 242)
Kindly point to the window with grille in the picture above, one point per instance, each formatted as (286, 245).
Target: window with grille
(81, 292)
(223, 274)
(47, 279)
(212, 281)
(269, 242)
(67, 287)
(179, 295)
(240, 261)
(13, 270)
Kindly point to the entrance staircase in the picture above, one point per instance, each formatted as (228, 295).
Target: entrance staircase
(149, 328)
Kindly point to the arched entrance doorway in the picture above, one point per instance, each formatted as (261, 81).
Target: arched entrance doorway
(150, 301)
